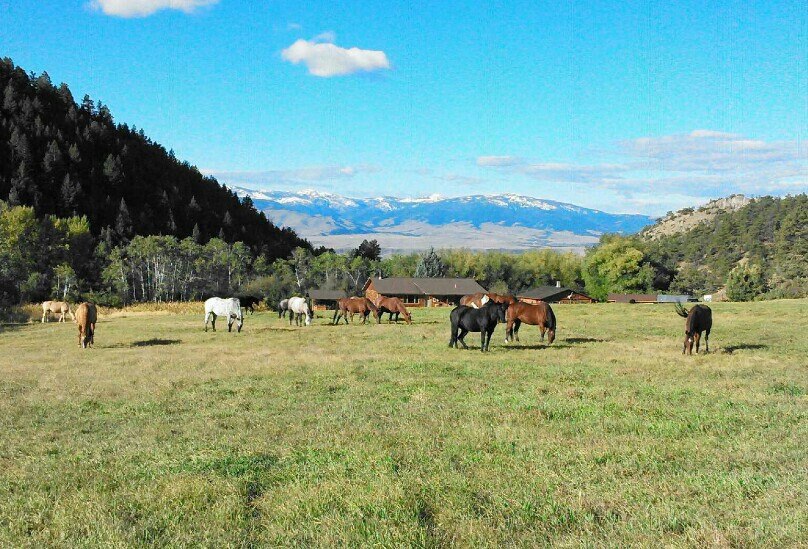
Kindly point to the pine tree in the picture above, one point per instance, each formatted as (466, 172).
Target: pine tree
(70, 193)
(196, 234)
(123, 223)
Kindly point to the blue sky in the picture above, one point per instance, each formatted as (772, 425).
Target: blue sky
(630, 106)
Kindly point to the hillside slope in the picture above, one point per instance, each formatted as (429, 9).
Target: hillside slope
(769, 232)
(66, 158)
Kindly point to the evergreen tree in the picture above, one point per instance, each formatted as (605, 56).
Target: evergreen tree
(430, 265)
(123, 223)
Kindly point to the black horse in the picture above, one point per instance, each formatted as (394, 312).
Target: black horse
(699, 319)
(249, 302)
(468, 319)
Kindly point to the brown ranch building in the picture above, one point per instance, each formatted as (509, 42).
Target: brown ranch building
(422, 292)
(553, 294)
(322, 300)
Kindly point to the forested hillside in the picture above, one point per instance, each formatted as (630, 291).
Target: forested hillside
(69, 159)
(764, 243)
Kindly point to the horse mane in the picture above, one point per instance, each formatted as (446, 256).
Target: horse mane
(680, 310)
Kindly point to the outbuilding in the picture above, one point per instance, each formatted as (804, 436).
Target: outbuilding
(553, 294)
(323, 300)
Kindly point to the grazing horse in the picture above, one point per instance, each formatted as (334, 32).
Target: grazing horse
(475, 300)
(283, 306)
(60, 308)
(353, 305)
(540, 315)
(86, 317)
(699, 319)
(298, 306)
(249, 302)
(479, 299)
(394, 306)
(467, 319)
(229, 308)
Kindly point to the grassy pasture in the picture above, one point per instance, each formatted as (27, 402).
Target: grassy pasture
(381, 435)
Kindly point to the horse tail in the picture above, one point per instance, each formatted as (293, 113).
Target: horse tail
(680, 310)
(550, 321)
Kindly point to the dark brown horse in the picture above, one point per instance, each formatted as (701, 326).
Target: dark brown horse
(353, 305)
(699, 319)
(392, 305)
(479, 299)
(540, 315)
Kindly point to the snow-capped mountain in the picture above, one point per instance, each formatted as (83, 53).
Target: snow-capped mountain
(503, 221)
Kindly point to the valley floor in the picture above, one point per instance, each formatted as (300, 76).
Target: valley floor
(164, 434)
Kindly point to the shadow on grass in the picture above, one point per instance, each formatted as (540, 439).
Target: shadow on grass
(743, 347)
(155, 342)
(519, 347)
(574, 340)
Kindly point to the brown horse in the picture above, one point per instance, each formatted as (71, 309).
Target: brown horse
(86, 317)
(392, 305)
(699, 319)
(479, 299)
(353, 305)
(540, 315)
(60, 308)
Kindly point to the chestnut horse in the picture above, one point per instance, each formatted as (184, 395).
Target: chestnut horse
(353, 305)
(392, 305)
(86, 317)
(479, 299)
(540, 315)
(699, 319)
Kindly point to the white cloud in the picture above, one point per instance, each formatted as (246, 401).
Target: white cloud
(293, 26)
(325, 59)
(498, 161)
(143, 8)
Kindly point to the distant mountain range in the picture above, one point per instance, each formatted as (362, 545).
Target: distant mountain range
(503, 221)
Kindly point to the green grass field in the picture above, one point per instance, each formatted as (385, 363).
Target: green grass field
(381, 435)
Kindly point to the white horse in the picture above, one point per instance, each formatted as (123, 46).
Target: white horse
(60, 308)
(298, 306)
(229, 308)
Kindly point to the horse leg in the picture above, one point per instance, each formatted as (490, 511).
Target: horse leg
(213, 320)
(460, 337)
(697, 337)
(44, 315)
(483, 334)
(516, 324)
(230, 323)
(453, 336)
(509, 330)
(707, 341)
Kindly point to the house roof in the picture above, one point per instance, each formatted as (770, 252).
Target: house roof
(326, 295)
(545, 292)
(425, 286)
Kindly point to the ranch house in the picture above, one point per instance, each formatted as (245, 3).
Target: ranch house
(322, 300)
(553, 294)
(422, 292)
